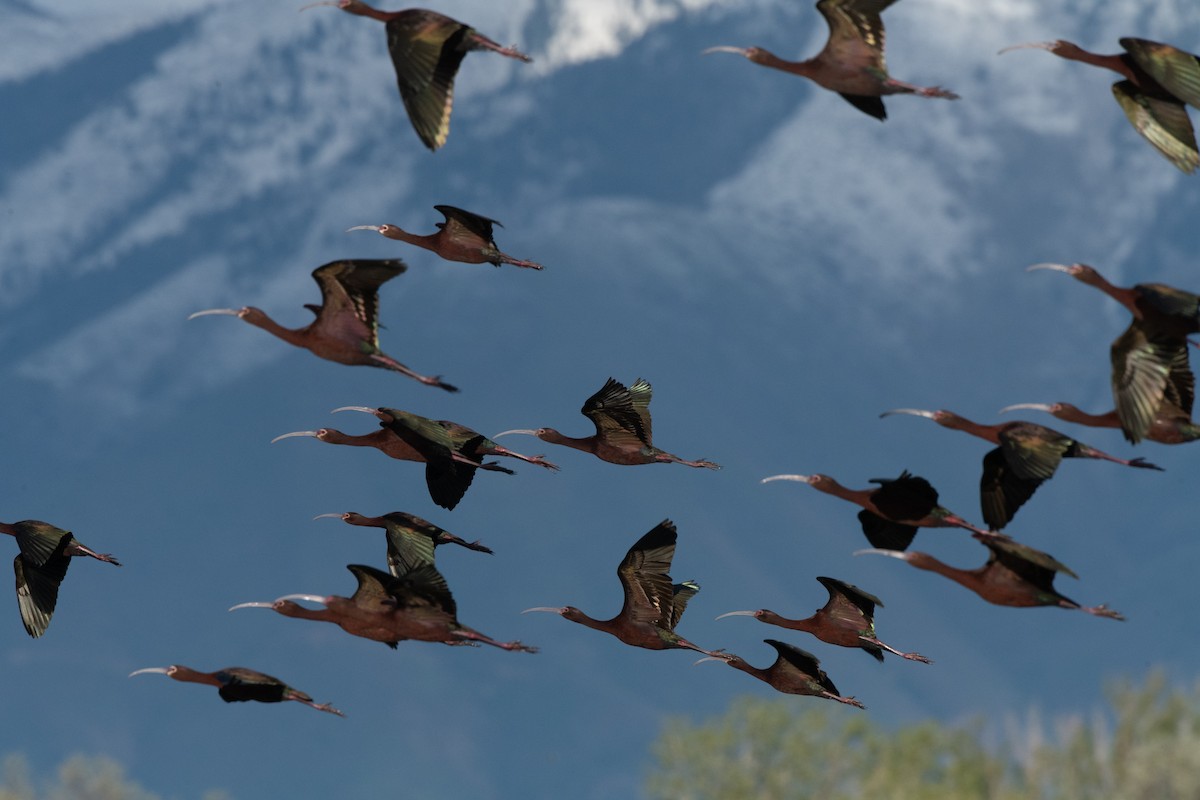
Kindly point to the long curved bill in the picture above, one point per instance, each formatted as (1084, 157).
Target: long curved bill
(708, 658)
(251, 605)
(363, 409)
(916, 412)
(800, 478)
(1027, 46)
(312, 434)
(324, 516)
(900, 554)
(158, 670)
(725, 48)
(736, 614)
(1034, 406)
(209, 312)
(543, 608)
(365, 228)
(525, 431)
(333, 3)
(1047, 265)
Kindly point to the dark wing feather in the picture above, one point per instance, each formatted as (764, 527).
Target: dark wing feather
(856, 35)
(371, 595)
(37, 591)
(239, 684)
(615, 414)
(1141, 368)
(1178, 71)
(408, 547)
(904, 498)
(649, 594)
(1031, 564)
(427, 49)
(885, 534)
(867, 104)
(473, 223)
(1001, 490)
(847, 601)
(1163, 123)
(802, 661)
(350, 296)
(683, 593)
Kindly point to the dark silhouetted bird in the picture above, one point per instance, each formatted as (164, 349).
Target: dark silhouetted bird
(795, 671)
(238, 684)
(40, 567)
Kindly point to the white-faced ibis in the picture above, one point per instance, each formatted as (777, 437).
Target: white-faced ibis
(464, 237)
(427, 49)
(416, 605)
(623, 433)
(368, 613)
(451, 451)
(1028, 454)
(445, 493)
(40, 567)
(1015, 575)
(1150, 359)
(653, 605)
(346, 329)
(852, 61)
(1158, 80)
(795, 671)
(893, 511)
(397, 525)
(238, 684)
(847, 619)
(1170, 426)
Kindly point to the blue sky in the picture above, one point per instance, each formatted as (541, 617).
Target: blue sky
(779, 266)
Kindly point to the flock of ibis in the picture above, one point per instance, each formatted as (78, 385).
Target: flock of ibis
(1153, 390)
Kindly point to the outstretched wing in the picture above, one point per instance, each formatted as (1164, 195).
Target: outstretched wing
(459, 222)
(848, 602)
(1035, 566)
(649, 594)
(37, 590)
(885, 534)
(802, 661)
(907, 497)
(1177, 70)
(683, 593)
(1142, 366)
(856, 37)
(1001, 490)
(427, 49)
(1164, 123)
(620, 417)
(350, 297)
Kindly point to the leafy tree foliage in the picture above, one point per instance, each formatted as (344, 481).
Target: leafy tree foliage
(79, 778)
(1144, 746)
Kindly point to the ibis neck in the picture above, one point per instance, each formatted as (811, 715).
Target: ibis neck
(429, 242)
(587, 444)
(966, 577)
(1116, 63)
(954, 422)
(808, 625)
(192, 676)
(738, 663)
(363, 10)
(769, 59)
(1080, 417)
(294, 336)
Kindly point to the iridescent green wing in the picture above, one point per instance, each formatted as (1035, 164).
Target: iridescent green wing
(1177, 70)
(408, 548)
(427, 49)
(649, 594)
(856, 36)
(350, 296)
(616, 416)
(37, 591)
(683, 592)
(1033, 451)
(1163, 123)
(1141, 369)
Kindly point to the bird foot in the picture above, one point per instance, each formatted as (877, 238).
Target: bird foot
(850, 701)
(1103, 611)
(1144, 464)
(704, 463)
(937, 91)
(76, 549)
(517, 647)
(436, 380)
(916, 657)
